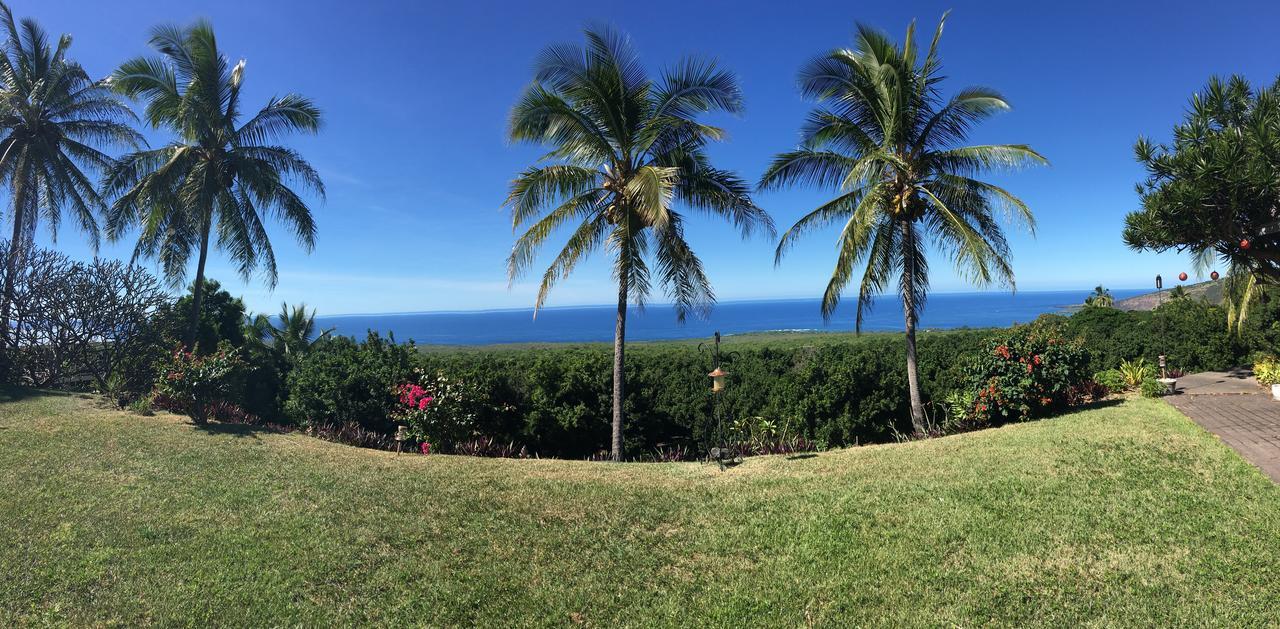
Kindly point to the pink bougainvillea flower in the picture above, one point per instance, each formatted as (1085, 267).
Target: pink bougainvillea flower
(426, 448)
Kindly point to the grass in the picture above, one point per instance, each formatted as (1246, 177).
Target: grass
(1122, 515)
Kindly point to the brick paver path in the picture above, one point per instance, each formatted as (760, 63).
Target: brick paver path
(1249, 423)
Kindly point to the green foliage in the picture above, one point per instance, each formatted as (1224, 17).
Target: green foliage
(1113, 380)
(1153, 388)
(1110, 335)
(1194, 336)
(1213, 189)
(221, 319)
(196, 383)
(1267, 371)
(835, 391)
(1026, 372)
(1135, 372)
(217, 172)
(1100, 298)
(345, 382)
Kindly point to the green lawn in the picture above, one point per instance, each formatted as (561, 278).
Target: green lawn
(1127, 514)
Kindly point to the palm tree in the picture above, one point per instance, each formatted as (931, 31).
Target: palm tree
(217, 173)
(624, 150)
(52, 115)
(295, 334)
(1101, 298)
(894, 148)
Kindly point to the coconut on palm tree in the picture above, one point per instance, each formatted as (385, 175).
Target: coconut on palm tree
(53, 118)
(894, 148)
(219, 175)
(625, 152)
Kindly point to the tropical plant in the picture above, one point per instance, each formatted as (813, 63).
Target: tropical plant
(1267, 371)
(894, 147)
(1135, 371)
(1178, 292)
(52, 118)
(1212, 192)
(1025, 372)
(294, 334)
(1112, 379)
(1100, 298)
(196, 384)
(217, 173)
(625, 149)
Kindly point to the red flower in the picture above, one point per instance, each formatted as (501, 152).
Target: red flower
(426, 448)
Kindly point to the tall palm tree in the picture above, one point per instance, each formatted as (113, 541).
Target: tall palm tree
(52, 118)
(894, 147)
(217, 173)
(624, 150)
(1101, 297)
(295, 333)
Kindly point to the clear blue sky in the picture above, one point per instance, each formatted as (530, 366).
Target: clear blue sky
(416, 96)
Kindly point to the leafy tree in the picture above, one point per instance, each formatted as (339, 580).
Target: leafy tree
(221, 318)
(625, 149)
(894, 148)
(217, 173)
(1101, 298)
(52, 118)
(1213, 191)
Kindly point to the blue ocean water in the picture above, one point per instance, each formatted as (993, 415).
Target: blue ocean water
(657, 322)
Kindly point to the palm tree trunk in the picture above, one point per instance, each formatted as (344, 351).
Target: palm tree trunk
(11, 271)
(197, 291)
(909, 312)
(619, 376)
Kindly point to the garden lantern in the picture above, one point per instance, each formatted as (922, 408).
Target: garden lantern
(1182, 277)
(717, 379)
(401, 435)
(1159, 283)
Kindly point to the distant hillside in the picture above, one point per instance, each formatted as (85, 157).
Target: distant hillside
(1210, 290)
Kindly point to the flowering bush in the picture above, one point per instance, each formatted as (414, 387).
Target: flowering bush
(198, 385)
(1026, 372)
(442, 411)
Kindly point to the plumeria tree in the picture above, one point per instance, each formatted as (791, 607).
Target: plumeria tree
(625, 153)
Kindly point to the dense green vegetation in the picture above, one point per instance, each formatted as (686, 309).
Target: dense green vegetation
(1122, 515)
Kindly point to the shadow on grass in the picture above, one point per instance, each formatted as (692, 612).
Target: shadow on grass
(17, 394)
(244, 431)
(800, 457)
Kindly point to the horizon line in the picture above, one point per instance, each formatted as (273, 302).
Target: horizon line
(661, 304)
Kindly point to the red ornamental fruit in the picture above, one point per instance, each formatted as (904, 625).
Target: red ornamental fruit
(1244, 244)
(1182, 277)
(1213, 276)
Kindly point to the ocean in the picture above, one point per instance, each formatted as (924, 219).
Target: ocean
(579, 324)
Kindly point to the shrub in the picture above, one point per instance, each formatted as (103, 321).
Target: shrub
(342, 382)
(1029, 371)
(1193, 335)
(1135, 372)
(1153, 388)
(197, 385)
(1267, 371)
(1113, 380)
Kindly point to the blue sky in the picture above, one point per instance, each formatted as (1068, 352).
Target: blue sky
(416, 96)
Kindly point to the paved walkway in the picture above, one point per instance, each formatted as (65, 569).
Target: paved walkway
(1232, 406)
